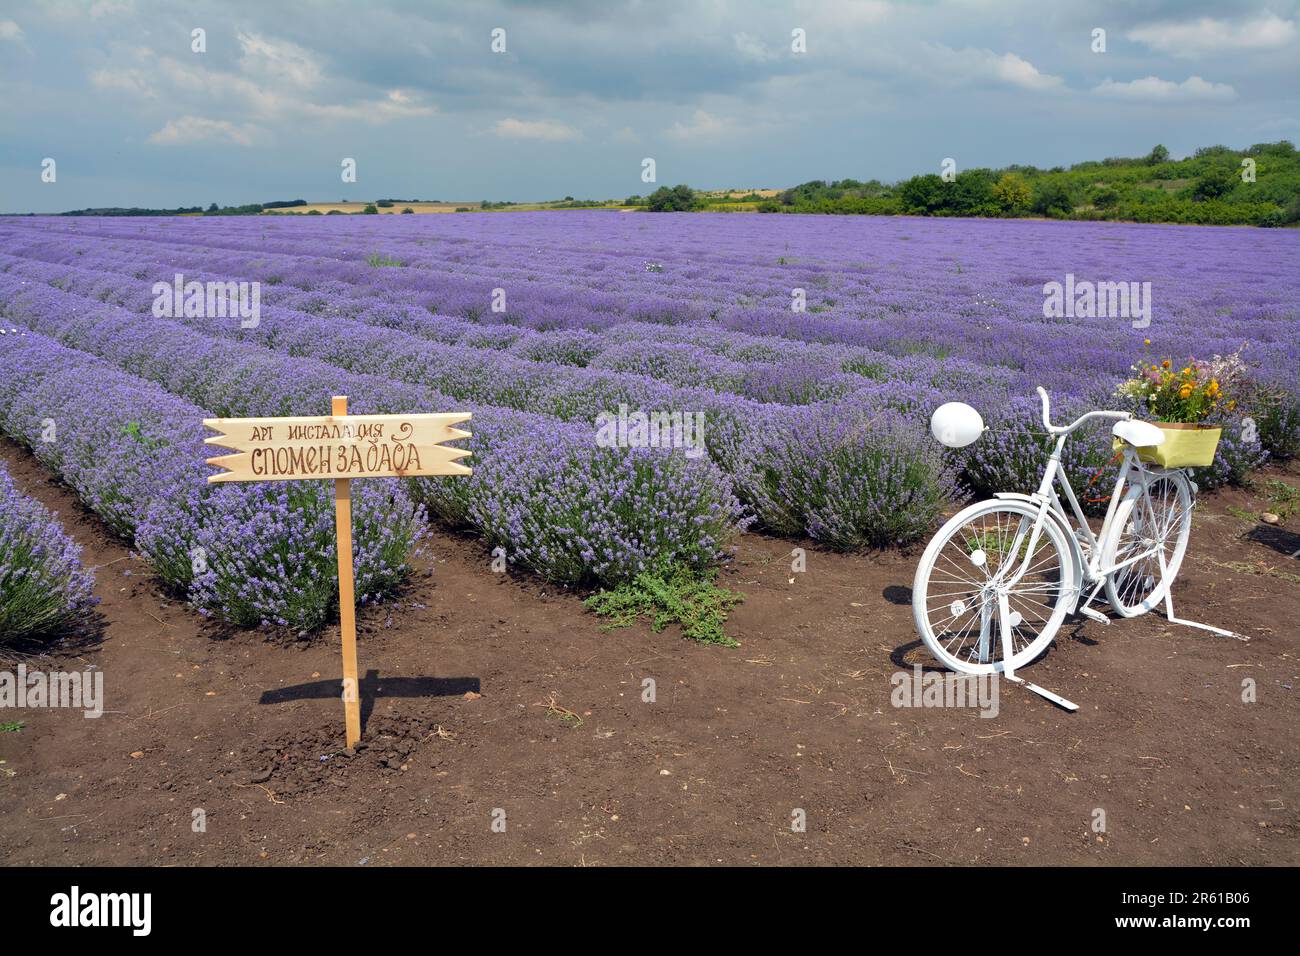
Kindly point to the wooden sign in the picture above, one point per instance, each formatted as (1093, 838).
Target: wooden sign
(354, 446)
(341, 447)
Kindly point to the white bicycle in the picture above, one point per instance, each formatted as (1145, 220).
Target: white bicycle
(995, 583)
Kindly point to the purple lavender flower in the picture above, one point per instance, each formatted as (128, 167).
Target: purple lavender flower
(43, 585)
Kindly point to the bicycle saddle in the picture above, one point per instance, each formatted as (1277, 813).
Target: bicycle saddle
(1138, 434)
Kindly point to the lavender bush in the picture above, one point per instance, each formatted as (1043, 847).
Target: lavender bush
(273, 550)
(542, 520)
(135, 456)
(43, 585)
(624, 512)
(848, 483)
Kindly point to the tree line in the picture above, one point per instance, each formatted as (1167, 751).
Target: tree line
(1217, 185)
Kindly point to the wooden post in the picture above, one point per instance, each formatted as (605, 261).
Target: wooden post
(347, 594)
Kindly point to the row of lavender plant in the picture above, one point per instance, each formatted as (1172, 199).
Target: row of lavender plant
(43, 585)
(245, 554)
(965, 289)
(1278, 419)
(765, 368)
(745, 438)
(1009, 458)
(775, 456)
(543, 491)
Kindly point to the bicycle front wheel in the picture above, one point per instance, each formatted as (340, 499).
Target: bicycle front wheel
(1141, 534)
(956, 592)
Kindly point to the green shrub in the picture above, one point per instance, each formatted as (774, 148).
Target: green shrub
(679, 596)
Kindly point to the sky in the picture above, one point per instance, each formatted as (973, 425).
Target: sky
(516, 101)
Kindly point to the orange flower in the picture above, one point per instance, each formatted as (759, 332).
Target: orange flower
(1165, 363)
(1185, 391)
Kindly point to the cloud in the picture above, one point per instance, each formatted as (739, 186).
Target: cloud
(396, 104)
(196, 129)
(1207, 35)
(702, 126)
(10, 30)
(126, 80)
(534, 129)
(1017, 71)
(837, 14)
(274, 82)
(752, 48)
(279, 61)
(989, 67)
(1156, 90)
(107, 8)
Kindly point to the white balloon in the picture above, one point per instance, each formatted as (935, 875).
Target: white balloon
(956, 424)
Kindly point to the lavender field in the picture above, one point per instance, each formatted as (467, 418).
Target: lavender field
(807, 351)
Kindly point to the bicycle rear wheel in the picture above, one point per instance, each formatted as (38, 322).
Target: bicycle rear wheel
(1140, 586)
(955, 594)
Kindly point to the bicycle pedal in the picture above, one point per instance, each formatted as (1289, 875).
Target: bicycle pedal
(1094, 615)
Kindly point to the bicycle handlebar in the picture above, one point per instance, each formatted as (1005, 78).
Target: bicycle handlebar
(1047, 408)
(1066, 429)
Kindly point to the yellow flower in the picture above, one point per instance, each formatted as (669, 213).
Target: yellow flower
(1185, 391)
(1232, 404)
(1212, 389)
(1146, 341)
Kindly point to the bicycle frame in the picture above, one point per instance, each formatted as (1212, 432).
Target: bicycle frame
(1048, 499)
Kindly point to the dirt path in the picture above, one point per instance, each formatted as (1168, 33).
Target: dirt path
(462, 727)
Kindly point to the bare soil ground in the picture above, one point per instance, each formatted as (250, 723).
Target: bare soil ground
(491, 694)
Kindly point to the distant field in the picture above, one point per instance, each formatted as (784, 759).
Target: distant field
(417, 207)
(349, 207)
(425, 207)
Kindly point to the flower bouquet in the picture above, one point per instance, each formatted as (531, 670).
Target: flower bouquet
(1179, 400)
